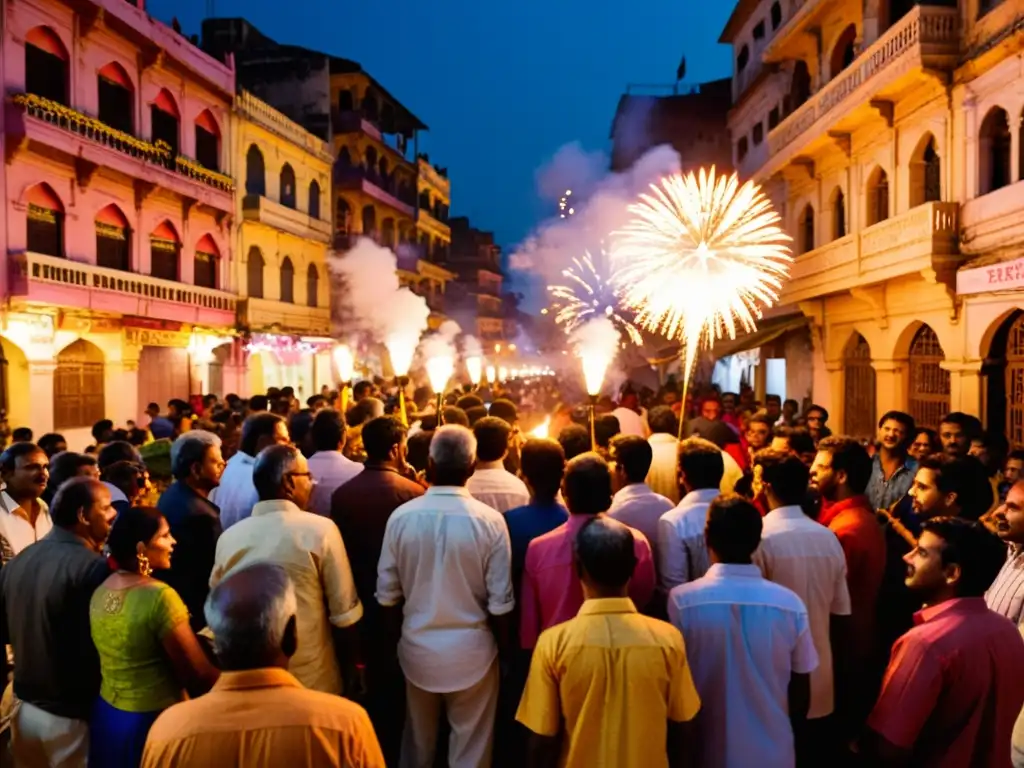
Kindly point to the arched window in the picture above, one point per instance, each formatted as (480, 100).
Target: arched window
(742, 146)
(116, 98)
(807, 229)
(425, 201)
(370, 108)
(344, 159)
(928, 387)
(166, 121)
(776, 14)
(342, 216)
(78, 386)
(46, 65)
(858, 389)
(45, 221)
(206, 263)
(255, 173)
(314, 199)
(312, 286)
(164, 252)
(742, 59)
(113, 239)
(370, 222)
(345, 103)
(287, 186)
(758, 134)
(878, 196)
(994, 151)
(370, 162)
(838, 214)
(387, 233)
(800, 86)
(254, 273)
(844, 51)
(287, 281)
(925, 173)
(207, 141)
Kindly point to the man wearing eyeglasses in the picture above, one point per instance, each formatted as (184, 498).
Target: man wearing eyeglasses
(310, 549)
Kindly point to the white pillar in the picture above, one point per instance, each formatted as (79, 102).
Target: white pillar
(40, 379)
(121, 391)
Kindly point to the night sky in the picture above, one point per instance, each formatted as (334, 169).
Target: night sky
(502, 85)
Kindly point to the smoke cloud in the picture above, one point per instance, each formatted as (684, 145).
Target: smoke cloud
(471, 347)
(440, 343)
(596, 343)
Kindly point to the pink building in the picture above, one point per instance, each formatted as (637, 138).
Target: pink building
(119, 199)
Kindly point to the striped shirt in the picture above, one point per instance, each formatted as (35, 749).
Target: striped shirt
(806, 557)
(1006, 595)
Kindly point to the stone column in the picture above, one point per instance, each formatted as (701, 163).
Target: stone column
(121, 391)
(836, 395)
(40, 380)
(964, 385)
(890, 385)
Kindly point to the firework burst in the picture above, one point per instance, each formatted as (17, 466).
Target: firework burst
(586, 296)
(702, 257)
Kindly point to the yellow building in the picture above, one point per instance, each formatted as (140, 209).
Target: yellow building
(282, 245)
(434, 201)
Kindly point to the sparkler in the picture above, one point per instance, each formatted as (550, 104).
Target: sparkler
(702, 257)
(401, 348)
(439, 370)
(596, 343)
(541, 430)
(474, 367)
(346, 366)
(586, 296)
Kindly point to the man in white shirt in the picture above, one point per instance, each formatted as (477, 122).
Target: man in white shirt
(24, 516)
(630, 422)
(330, 469)
(663, 476)
(445, 568)
(752, 693)
(682, 550)
(806, 557)
(491, 483)
(634, 503)
(236, 495)
(310, 549)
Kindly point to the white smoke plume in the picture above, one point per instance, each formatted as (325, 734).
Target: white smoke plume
(471, 347)
(441, 342)
(600, 206)
(375, 303)
(596, 343)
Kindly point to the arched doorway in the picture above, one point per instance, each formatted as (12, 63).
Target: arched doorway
(994, 151)
(165, 119)
(844, 51)
(15, 392)
(113, 239)
(78, 399)
(116, 98)
(1004, 374)
(255, 172)
(46, 65)
(858, 389)
(164, 252)
(925, 173)
(44, 226)
(206, 263)
(928, 394)
(254, 273)
(878, 197)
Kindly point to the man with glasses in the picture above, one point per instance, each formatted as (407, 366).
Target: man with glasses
(310, 549)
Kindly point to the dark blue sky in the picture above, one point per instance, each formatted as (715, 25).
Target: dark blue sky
(502, 85)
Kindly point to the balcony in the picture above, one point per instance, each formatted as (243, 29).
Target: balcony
(373, 185)
(263, 114)
(923, 238)
(430, 177)
(922, 43)
(285, 219)
(433, 225)
(93, 145)
(39, 279)
(268, 315)
(799, 15)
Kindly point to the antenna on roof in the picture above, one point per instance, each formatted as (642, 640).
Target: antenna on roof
(680, 71)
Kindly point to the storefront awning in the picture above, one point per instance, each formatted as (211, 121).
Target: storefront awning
(768, 331)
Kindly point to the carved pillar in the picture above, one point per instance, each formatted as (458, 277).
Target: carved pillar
(964, 385)
(890, 385)
(836, 395)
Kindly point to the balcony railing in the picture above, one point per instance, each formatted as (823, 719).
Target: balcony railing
(36, 267)
(260, 112)
(925, 31)
(273, 214)
(158, 153)
(375, 185)
(922, 238)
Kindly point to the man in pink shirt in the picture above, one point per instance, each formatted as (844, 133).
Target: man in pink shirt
(551, 591)
(955, 684)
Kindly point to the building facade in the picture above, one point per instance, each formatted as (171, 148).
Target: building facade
(118, 214)
(282, 240)
(882, 131)
(476, 299)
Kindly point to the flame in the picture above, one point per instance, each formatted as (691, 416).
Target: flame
(439, 370)
(474, 367)
(542, 429)
(492, 374)
(401, 348)
(344, 362)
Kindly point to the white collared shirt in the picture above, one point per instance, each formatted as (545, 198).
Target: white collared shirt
(743, 685)
(663, 476)
(630, 422)
(639, 507)
(330, 470)
(16, 532)
(236, 495)
(448, 557)
(498, 488)
(310, 549)
(682, 551)
(806, 557)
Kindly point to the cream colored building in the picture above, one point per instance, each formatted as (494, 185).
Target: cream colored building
(882, 132)
(283, 206)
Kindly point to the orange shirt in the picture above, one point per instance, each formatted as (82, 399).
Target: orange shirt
(855, 525)
(263, 718)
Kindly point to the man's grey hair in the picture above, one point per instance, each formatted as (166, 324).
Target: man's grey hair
(190, 449)
(453, 448)
(272, 464)
(248, 613)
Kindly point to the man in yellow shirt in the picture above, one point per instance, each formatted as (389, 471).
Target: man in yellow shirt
(610, 688)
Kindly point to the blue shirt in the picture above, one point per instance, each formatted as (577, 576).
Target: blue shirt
(884, 493)
(526, 523)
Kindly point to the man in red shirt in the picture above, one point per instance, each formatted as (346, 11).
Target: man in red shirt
(840, 474)
(955, 684)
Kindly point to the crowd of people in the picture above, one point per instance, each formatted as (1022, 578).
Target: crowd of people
(360, 583)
